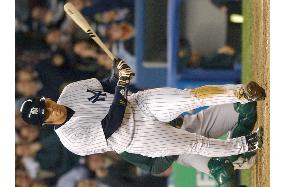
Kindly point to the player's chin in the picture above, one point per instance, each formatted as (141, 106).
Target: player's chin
(59, 114)
(54, 115)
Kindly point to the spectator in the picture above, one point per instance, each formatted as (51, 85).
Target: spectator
(120, 31)
(73, 176)
(39, 184)
(29, 133)
(56, 40)
(51, 156)
(113, 15)
(84, 49)
(104, 61)
(89, 60)
(120, 173)
(22, 178)
(99, 6)
(122, 37)
(27, 84)
(19, 122)
(224, 58)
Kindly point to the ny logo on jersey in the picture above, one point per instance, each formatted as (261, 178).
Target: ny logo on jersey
(98, 96)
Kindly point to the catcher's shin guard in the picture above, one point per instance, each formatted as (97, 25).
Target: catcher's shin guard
(246, 120)
(223, 172)
(222, 169)
(245, 125)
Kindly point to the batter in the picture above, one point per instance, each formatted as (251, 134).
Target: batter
(94, 117)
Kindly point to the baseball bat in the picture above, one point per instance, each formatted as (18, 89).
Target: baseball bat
(78, 18)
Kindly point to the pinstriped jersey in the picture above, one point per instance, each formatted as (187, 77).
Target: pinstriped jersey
(83, 133)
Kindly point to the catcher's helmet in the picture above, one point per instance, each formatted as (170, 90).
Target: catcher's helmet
(33, 109)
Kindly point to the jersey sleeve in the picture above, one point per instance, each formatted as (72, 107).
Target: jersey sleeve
(82, 136)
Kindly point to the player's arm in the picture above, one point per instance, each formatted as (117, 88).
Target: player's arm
(109, 84)
(152, 165)
(114, 118)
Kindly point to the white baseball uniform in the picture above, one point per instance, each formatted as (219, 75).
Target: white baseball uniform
(143, 130)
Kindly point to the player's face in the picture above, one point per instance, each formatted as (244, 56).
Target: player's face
(54, 113)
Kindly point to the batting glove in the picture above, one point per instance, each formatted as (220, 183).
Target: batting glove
(125, 73)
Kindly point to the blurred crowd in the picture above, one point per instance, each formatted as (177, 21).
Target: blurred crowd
(51, 51)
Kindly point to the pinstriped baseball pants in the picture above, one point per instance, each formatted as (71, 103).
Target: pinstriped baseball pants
(152, 137)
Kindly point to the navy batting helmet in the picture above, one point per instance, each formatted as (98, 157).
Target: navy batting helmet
(33, 109)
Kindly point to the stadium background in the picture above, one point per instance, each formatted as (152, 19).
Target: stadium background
(176, 43)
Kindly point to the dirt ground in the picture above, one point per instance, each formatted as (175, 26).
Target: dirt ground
(260, 173)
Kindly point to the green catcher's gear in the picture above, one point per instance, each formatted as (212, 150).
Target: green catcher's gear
(246, 122)
(223, 172)
(222, 169)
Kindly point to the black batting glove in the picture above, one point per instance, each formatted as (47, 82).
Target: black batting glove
(119, 64)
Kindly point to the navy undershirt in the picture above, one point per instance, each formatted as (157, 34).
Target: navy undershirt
(115, 115)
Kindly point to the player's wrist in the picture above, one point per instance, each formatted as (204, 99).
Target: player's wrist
(120, 97)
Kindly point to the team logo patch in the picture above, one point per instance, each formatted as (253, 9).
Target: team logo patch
(33, 111)
(98, 95)
(122, 92)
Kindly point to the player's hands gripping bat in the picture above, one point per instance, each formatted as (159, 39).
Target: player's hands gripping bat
(78, 18)
(125, 73)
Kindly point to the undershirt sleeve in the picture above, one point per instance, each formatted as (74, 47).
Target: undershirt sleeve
(115, 115)
(109, 84)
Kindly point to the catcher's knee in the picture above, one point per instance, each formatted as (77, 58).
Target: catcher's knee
(223, 172)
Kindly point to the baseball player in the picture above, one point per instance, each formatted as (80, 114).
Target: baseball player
(238, 119)
(94, 117)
